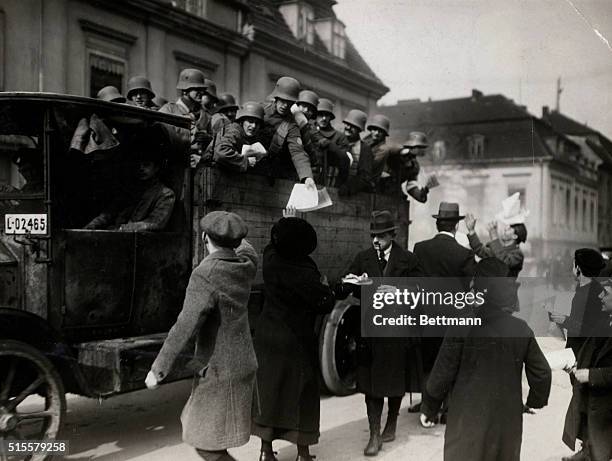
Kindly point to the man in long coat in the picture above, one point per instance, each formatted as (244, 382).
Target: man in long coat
(589, 416)
(217, 415)
(385, 366)
(441, 256)
(481, 370)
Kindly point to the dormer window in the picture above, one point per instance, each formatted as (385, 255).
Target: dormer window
(299, 16)
(476, 146)
(331, 32)
(197, 7)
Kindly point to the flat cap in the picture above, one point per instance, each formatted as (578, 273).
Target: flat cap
(224, 228)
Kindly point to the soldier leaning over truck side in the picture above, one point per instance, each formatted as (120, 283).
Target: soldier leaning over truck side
(191, 83)
(281, 135)
(360, 155)
(381, 150)
(225, 113)
(336, 146)
(228, 146)
(305, 113)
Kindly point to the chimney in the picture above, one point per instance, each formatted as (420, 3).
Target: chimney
(476, 94)
(545, 112)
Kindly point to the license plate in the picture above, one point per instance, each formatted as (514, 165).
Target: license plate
(25, 224)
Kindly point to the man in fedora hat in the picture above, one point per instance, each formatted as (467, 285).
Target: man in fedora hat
(382, 362)
(217, 415)
(442, 256)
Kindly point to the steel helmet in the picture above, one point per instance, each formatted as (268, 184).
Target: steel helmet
(287, 88)
(190, 78)
(211, 87)
(381, 122)
(416, 139)
(226, 102)
(356, 118)
(309, 97)
(251, 109)
(110, 93)
(325, 105)
(139, 83)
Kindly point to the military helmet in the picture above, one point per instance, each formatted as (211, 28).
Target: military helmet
(110, 93)
(325, 105)
(416, 139)
(190, 78)
(287, 88)
(381, 122)
(139, 83)
(309, 97)
(356, 118)
(251, 109)
(226, 102)
(211, 87)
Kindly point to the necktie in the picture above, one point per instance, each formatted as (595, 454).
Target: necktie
(382, 262)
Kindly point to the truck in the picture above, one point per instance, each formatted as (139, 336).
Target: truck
(86, 311)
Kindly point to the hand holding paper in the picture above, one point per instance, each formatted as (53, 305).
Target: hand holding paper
(560, 360)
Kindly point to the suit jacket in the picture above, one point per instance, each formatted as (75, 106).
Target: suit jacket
(386, 366)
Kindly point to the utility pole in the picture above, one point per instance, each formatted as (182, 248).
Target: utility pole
(559, 91)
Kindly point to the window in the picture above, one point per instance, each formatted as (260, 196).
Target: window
(592, 213)
(585, 211)
(106, 52)
(568, 206)
(554, 204)
(1, 50)
(339, 40)
(104, 71)
(331, 32)
(576, 216)
(476, 146)
(299, 16)
(197, 7)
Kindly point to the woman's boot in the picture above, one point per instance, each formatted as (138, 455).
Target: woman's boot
(375, 443)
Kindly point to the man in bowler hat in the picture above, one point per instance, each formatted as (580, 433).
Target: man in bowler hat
(217, 415)
(381, 367)
(442, 256)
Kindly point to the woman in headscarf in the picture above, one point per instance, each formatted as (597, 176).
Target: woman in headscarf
(285, 343)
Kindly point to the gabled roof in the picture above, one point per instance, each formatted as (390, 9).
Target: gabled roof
(564, 124)
(268, 19)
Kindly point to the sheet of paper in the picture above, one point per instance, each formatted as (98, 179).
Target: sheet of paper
(433, 179)
(324, 201)
(302, 198)
(257, 147)
(558, 360)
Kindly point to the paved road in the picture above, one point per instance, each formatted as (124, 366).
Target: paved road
(145, 426)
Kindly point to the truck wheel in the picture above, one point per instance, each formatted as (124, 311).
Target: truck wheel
(32, 399)
(338, 347)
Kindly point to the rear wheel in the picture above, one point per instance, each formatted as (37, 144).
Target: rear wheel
(32, 399)
(338, 348)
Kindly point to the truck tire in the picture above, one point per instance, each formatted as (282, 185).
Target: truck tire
(29, 373)
(338, 347)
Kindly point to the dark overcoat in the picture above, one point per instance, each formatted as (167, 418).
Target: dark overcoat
(443, 257)
(586, 316)
(218, 413)
(286, 345)
(482, 373)
(387, 367)
(594, 399)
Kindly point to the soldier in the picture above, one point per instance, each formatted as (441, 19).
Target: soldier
(111, 94)
(336, 162)
(225, 113)
(377, 140)
(360, 154)
(229, 146)
(191, 83)
(305, 114)
(210, 99)
(404, 169)
(140, 93)
(282, 135)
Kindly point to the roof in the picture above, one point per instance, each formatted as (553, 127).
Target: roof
(509, 131)
(268, 19)
(564, 124)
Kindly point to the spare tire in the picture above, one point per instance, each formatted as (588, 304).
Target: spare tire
(338, 347)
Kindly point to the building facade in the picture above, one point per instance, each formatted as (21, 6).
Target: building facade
(484, 148)
(79, 46)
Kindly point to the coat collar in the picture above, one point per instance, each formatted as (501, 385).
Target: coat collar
(393, 255)
(227, 254)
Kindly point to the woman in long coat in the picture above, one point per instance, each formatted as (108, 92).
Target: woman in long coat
(217, 415)
(285, 343)
(482, 372)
